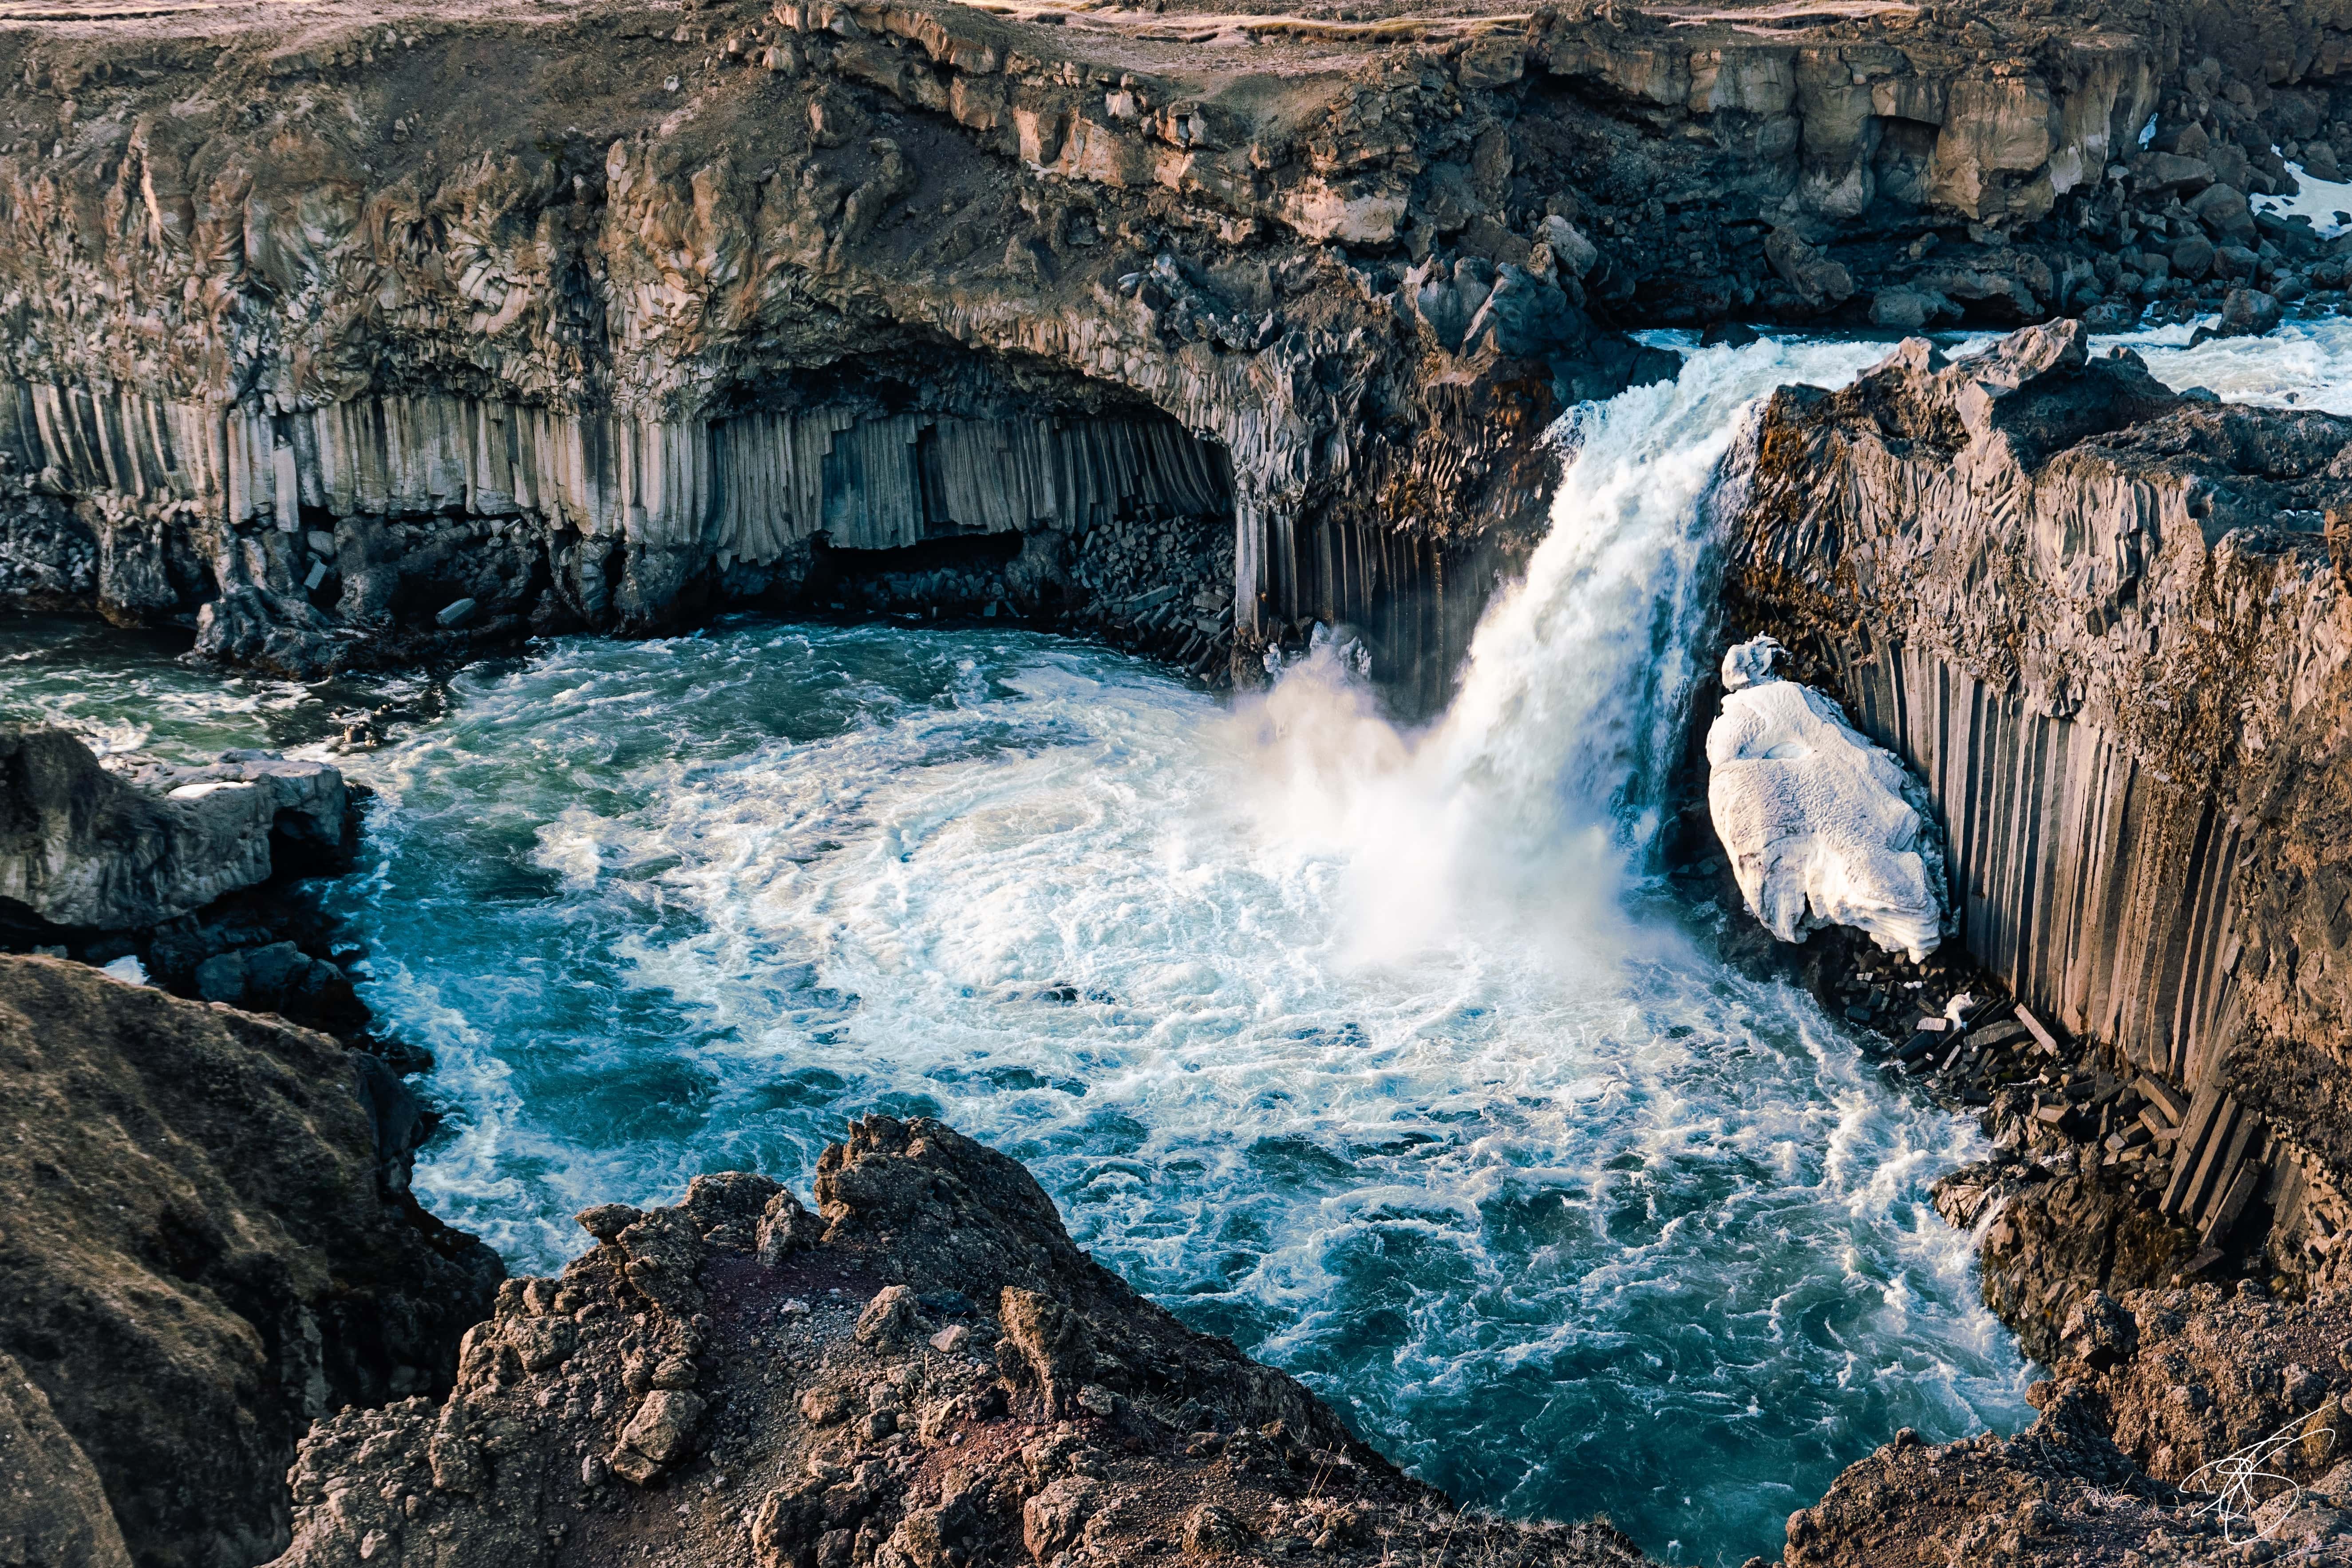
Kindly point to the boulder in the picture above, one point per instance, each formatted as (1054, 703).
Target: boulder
(2223, 210)
(1906, 309)
(2167, 170)
(1575, 254)
(80, 848)
(2247, 313)
(2231, 262)
(1808, 269)
(1522, 316)
(281, 632)
(2191, 257)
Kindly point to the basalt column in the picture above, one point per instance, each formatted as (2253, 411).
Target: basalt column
(2103, 624)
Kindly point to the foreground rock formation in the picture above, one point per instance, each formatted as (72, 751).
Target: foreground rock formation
(199, 1256)
(923, 1372)
(352, 333)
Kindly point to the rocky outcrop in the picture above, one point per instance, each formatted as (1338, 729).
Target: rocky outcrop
(2103, 625)
(2180, 1422)
(924, 1372)
(775, 297)
(199, 1256)
(83, 849)
(2107, 628)
(2130, 1461)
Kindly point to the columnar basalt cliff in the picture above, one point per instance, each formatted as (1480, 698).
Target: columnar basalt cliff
(2104, 625)
(2108, 628)
(348, 334)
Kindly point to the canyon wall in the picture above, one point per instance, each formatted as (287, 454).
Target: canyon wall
(359, 333)
(2104, 626)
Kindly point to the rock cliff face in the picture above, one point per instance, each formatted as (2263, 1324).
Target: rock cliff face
(2152, 1394)
(198, 1257)
(2109, 628)
(923, 1373)
(2104, 624)
(357, 333)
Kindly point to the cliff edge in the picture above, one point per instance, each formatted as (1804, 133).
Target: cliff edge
(345, 333)
(922, 1373)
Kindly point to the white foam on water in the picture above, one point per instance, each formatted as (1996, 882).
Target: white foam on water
(1346, 1040)
(2303, 364)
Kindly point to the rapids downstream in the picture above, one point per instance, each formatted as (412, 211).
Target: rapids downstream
(1385, 1053)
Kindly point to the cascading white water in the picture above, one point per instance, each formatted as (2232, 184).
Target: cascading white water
(1539, 792)
(1339, 1039)
(1343, 1040)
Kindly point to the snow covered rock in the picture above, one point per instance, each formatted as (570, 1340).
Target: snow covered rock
(1824, 828)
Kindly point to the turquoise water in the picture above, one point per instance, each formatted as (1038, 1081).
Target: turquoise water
(126, 691)
(1627, 1234)
(1378, 1051)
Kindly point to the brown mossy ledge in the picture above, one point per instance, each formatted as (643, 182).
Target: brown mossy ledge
(201, 1249)
(925, 1371)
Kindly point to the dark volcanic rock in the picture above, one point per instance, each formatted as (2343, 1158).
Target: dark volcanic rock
(2248, 313)
(198, 1257)
(455, 324)
(926, 1372)
(2109, 628)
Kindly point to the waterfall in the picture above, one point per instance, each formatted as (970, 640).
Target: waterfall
(1337, 1036)
(1539, 792)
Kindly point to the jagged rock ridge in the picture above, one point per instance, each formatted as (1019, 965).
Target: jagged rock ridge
(923, 1373)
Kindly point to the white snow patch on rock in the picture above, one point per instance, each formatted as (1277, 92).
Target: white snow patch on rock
(1824, 828)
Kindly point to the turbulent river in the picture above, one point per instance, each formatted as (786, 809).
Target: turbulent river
(1383, 1053)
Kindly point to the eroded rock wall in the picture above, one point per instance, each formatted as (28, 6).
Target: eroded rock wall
(394, 333)
(429, 332)
(2103, 625)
